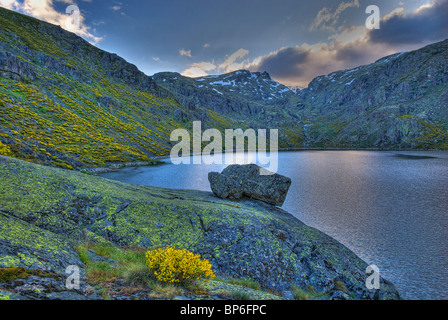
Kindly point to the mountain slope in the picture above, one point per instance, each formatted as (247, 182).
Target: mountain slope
(66, 103)
(252, 100)
(398, 101)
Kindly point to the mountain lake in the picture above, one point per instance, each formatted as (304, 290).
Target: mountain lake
(389, 207)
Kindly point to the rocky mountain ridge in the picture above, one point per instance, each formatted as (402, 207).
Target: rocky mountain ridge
(252, 98)
(397, 102)
(400, 101)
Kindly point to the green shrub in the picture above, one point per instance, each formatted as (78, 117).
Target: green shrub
(172, 266)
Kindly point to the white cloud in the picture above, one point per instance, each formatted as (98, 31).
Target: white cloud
(347, 47)
(395, 12)
(186, 53)
(199, 69)
(44, 10)
(8, 4)
(349, 34)
(326, 19)
(352, 46)
(231, 64)
(202, 69)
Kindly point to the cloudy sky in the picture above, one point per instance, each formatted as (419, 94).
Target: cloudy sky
(293, 40)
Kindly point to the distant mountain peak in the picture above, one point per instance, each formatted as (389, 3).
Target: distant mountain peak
(240, 74)
(242, 93)
(295, 89)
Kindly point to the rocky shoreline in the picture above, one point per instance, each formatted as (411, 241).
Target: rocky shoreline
(117, 166)
(46, 212)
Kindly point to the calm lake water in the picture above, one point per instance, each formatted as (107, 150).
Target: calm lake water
(390, 208)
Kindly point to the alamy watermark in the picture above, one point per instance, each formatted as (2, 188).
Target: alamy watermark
(373, 21)
(373, 280)
(75, 15)
(224, 150)
(72, 282)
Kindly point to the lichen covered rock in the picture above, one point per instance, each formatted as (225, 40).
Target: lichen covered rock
(45, 211)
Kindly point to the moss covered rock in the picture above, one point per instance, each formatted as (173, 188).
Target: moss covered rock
(45, 211)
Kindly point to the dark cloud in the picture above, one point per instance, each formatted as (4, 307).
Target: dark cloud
(299, 65)
(429, 24)
(286, 62)
(353, 53)
(399, 32)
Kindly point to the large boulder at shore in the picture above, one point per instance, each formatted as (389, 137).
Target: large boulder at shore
(246, 181)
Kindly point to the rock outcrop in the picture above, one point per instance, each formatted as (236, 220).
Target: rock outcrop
(246, 181)
(45, 212)
(13, 67)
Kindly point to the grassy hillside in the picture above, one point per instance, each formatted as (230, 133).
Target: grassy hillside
(67, 103)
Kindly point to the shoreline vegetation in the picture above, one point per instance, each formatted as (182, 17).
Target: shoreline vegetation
(117, 166)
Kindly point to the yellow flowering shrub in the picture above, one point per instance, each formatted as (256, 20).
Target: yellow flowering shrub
(172, 265)
(4, 150)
